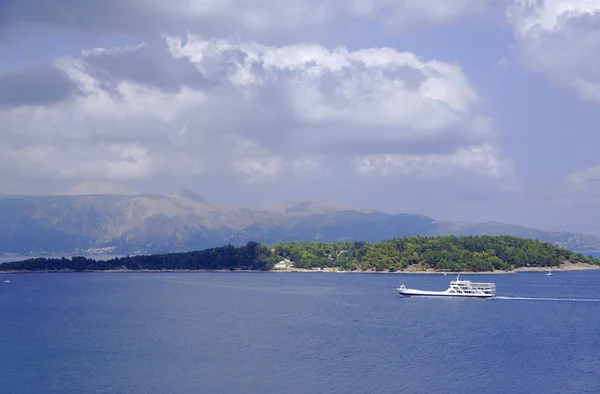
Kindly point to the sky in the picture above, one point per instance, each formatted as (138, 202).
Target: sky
(469, 110)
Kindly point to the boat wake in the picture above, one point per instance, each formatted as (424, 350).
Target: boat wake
(548, 299)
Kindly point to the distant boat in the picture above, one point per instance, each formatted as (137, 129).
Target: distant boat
(458, 288)
(6, 279)
(549, 273)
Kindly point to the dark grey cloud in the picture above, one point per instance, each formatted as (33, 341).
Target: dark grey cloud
(332, 20)
(150, 64)
(39, 85)
(102, 15)
(146, 17)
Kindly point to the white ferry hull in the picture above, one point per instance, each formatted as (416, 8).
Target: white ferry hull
(458, 288)
(424, 293)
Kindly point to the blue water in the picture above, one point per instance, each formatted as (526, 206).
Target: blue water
(296, 333)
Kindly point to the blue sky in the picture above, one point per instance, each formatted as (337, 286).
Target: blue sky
(462, 110)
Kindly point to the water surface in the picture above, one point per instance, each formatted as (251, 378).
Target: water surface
(296, 333)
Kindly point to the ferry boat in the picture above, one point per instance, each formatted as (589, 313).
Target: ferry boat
(458, 288)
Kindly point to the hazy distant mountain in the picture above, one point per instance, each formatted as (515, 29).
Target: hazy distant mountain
(184, 221)
(569, 240)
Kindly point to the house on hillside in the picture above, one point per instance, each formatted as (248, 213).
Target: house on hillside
(283, 265)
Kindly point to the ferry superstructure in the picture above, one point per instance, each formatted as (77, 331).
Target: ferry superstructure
(458, 288)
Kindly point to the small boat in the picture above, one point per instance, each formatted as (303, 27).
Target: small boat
(549, 273)
(6, 279)
(458, 288)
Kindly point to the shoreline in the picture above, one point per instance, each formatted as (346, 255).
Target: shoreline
(565, 267)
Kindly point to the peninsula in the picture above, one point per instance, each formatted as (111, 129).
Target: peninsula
(409, 254)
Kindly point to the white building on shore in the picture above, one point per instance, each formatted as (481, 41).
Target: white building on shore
(284, 265)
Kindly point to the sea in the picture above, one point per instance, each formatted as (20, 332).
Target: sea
(250, 332)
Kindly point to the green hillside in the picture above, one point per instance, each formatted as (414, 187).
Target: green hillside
(449, 253)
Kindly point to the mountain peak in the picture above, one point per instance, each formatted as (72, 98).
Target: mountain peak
(187, 194)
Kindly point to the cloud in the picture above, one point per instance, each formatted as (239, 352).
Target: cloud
(232, 17)
(187, 106)
(581, 180)
(34, 86)
(479, 159)
(561, 40)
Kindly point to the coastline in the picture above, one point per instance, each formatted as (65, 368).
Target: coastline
(565, 267)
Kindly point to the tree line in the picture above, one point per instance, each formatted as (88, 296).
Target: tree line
(445, 253)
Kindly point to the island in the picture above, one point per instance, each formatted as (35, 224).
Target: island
(408, 254)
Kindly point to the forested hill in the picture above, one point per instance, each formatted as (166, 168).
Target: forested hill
(449, 253)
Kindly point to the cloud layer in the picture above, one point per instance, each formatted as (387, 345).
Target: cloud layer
(231, 17)
(188, 106)
(561, 40)
(315, 96)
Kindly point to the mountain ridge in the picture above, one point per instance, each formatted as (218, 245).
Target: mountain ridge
(184, 220)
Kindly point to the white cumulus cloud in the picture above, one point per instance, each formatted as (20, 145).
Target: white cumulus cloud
(561, 40)
(479, 159)
(188, 106)
(580, 180)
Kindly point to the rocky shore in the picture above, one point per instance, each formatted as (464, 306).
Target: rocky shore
(567, 266)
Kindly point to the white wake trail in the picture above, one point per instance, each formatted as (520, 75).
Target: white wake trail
(548, 299)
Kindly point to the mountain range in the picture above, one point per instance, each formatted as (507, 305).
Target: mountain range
(183, 221)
